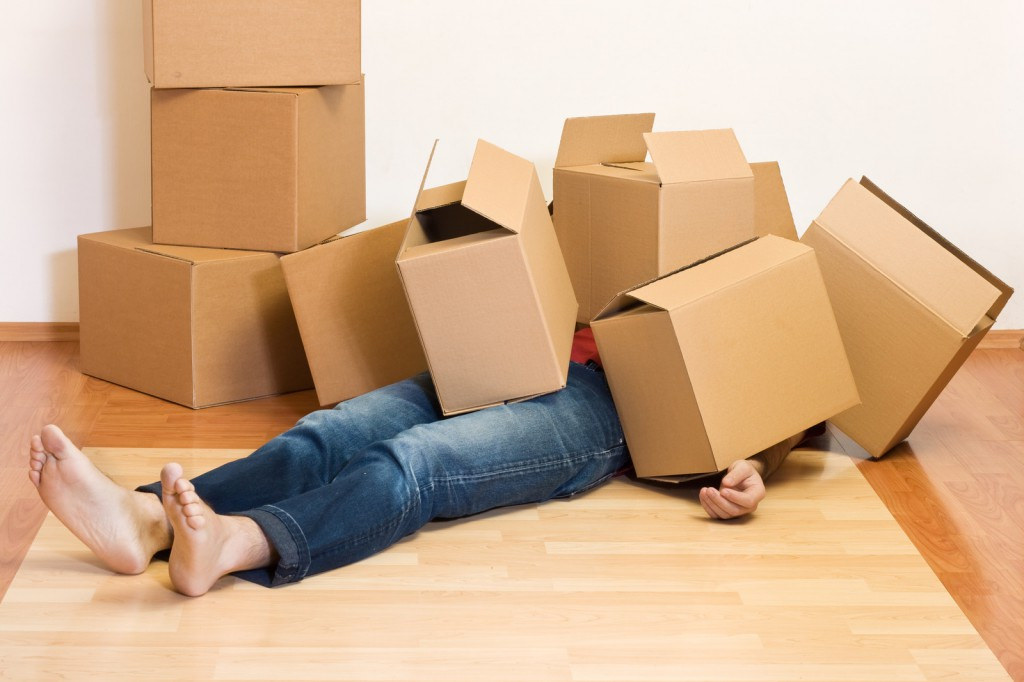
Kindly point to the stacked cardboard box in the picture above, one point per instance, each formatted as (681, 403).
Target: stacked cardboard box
(257, 149)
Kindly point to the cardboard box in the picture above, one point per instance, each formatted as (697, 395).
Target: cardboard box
(487, 286)
(203, 44)
(198, 327)
(355, 323)
(910, 306)
(720, 360)
(621, 221)
(272, 169)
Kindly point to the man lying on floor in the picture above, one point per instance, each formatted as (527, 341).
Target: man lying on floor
(348, 482)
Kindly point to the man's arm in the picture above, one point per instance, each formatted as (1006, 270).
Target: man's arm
(742, 487)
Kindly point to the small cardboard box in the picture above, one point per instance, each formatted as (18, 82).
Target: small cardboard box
(621, 221)
(910, 306)
(204, 44)
(352, 314)
(198, 327)
(720, 360)
(487, 286)
(272, 169)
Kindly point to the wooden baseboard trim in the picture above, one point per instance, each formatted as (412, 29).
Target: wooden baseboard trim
(38, 331)
(1003, 339)
(998, 339)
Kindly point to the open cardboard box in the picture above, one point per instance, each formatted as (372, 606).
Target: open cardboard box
(203, 44)
(724, 358)
(198, 327)
(267, 169)
(352, 314)
(910, 306)
(487, 286)
(621, 220)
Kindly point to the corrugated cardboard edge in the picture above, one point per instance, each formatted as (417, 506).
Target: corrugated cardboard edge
(148, 51)
(617, 138)
(1006, 291)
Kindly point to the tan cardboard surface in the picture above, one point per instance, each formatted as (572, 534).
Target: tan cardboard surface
(492, 302)
(697, 155)
(194, 328)
(772, 214)
(355, 323)
(751, 333)
(272, 169)
(603, 139)
(887, 280)
(621, 221)
(135, 324)
(199, 44)
(915, 262)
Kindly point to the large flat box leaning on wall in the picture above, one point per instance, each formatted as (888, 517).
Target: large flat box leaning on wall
(352, 314)
(268, 169)
(720, 360)
(487, 285)
(203, 44)
(621, 221)
(198, 327)
(910, 306)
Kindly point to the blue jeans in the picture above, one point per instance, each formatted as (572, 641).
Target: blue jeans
(345, 483)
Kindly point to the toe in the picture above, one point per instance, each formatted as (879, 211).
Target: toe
(183, 485)
(169, 476)
(55, 442)
(33, 476)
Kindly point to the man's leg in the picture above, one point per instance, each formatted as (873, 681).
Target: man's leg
(556, 445)
(311, 453)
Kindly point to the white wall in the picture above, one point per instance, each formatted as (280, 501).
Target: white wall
(923, 97)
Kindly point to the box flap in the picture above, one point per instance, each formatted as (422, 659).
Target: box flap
(434, 197)
(603, 139)
(719, 272)
(499, 185)
(695, 155)
(1005, 290)
(413, 232)
(772, 214)
(932, 275)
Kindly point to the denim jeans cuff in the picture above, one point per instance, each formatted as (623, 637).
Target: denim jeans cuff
(287, 539)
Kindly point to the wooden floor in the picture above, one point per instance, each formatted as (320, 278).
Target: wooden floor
(957, 490)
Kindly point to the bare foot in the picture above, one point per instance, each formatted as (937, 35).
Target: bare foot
(207, 545)
(124, 528)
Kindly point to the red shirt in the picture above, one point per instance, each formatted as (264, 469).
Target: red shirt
(584, 348)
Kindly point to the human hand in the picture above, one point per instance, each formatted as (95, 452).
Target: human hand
(741, 491)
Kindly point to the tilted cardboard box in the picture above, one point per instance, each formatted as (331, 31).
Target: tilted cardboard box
(910, 306)
(487, 286)
(352, 314)
(198, 327)
(203, 44)
(720, 360)
(272, 169)
(621, 221)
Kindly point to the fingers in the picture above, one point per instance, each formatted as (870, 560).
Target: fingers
(718, 507)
